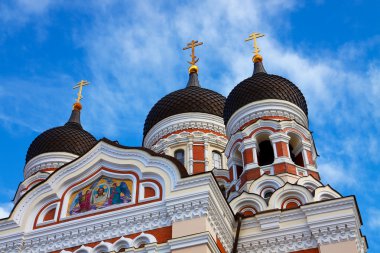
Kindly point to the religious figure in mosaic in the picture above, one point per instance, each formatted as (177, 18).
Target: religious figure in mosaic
(101, 193)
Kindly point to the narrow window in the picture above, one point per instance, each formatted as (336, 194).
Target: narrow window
(266, 155)
(180, 155)
(217, 159)
(295, 145)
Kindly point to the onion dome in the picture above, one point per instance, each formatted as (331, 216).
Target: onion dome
(261, 86)
(193, 98)
(70, 138)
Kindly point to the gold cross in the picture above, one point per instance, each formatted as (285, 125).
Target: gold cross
(254, 37)
(80, 86)
(192, 45)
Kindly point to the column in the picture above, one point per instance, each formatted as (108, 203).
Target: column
(280, 142)
(249, 152)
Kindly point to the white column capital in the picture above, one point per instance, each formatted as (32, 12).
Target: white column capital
(277, 137)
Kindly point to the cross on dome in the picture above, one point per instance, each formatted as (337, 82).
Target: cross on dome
(194, 59)
(80, 85)
(254, 36)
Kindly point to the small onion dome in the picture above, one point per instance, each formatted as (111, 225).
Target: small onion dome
(193, 98)
(70, 138)
(261, 86)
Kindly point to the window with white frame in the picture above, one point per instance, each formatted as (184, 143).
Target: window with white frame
(180, 155)
(217, 160)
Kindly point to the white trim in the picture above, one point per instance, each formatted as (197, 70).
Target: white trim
(276, 125)
(183, 121)
(47, 160)
(142, 191)
(267, 107)
(41, 216)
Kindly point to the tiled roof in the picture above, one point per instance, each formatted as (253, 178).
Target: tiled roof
(191, 99)
(263, 86)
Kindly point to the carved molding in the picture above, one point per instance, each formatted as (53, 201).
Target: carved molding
(47, 160)
(184, 121)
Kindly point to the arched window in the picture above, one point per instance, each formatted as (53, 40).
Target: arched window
(217, 159)
(266, 154)
(295, 148)
(179, 154)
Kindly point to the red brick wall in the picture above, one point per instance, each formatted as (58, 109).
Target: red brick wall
(198, 155)
(231, 172)
(198, 167)
(310, 157)
(282, 149)
(149, 192)
(49, 215)
(250, 175)
(199, 151)
(248, 156)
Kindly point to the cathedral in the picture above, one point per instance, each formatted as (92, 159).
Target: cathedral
(213, 175)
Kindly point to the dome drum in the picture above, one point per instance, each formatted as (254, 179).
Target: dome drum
(260, 87)
(269, 109)
(190, 99)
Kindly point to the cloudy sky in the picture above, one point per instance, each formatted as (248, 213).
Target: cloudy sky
(131, 52)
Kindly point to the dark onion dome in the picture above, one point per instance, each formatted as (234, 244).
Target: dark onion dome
(193, 98)
(261, 86)
(70, 138)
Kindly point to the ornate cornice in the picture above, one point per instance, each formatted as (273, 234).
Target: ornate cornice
(52, 160)
(263, 108)
(186, 137)
(184, 121)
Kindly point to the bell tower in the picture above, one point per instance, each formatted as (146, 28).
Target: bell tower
(188, 124)
(266, 119)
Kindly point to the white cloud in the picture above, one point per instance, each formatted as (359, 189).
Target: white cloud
(374, 219)
(134, 56)
(5, 209)
(20, 11)
(336, 174)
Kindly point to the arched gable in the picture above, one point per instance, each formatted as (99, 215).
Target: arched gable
(106, 159)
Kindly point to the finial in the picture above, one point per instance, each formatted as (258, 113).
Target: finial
(254, 36)
(77, 105)
(194, 43)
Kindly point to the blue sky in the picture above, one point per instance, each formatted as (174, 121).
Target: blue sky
(131, 52)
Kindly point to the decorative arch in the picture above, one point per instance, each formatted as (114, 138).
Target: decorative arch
(149, 191)
(103, 247)
(122, 243)
(48, 213)
(325, 193)
(106, 154)
(248, 200)
(289, 193)
(309, 182)
(265, 181)
(143, 239)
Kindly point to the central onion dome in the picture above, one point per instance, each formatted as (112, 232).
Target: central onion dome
(262, 86)
(70, 138)
(193, 98)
